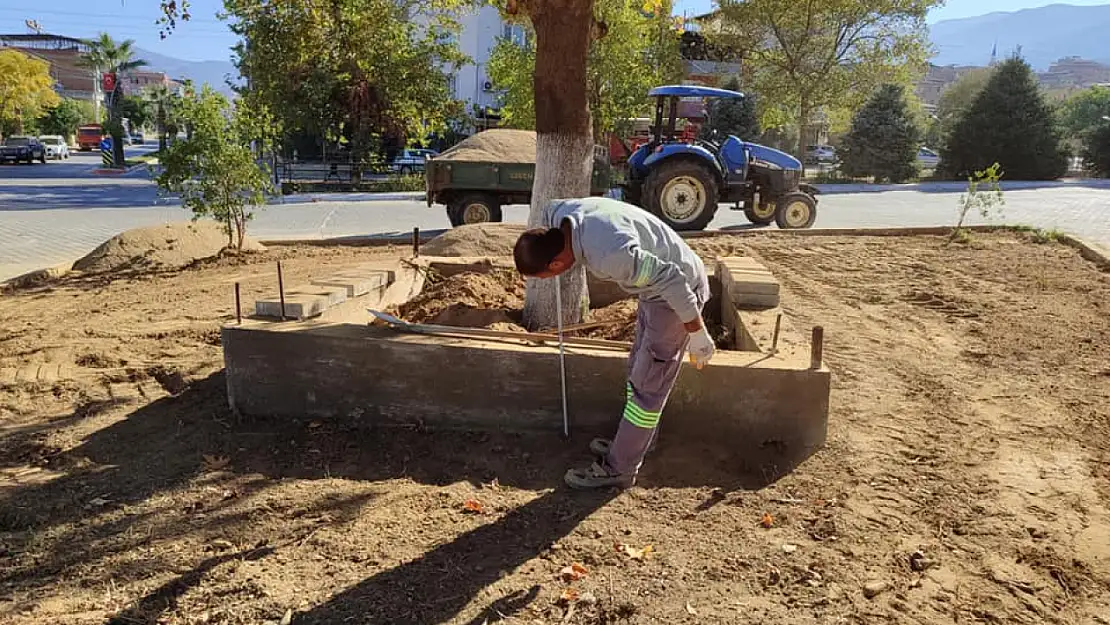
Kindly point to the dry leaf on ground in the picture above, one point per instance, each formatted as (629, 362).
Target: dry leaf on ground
(767, 521)
(569, 595)
(634, 553)
(574, 572)
(473, 506)
(215, 463)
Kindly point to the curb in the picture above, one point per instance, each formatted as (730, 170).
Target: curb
(389, 196)
(117, 172)
(955, 186)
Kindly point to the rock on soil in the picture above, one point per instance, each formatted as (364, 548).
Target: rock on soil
(169, 246)
(487, 239)
(473, 300)
(498, 145)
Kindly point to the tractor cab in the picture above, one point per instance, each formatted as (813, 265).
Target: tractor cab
(682, 179)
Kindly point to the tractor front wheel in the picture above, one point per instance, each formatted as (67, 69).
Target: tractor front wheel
(683, 194)
(761, 214)
(796, 210)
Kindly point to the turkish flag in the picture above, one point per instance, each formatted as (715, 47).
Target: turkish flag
(108, 82)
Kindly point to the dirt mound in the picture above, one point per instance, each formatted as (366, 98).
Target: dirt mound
(498, 145)
(487, 239)
(623, 316)
(473, 300)
(169, 246)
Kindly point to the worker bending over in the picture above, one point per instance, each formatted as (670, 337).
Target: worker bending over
(621, 243)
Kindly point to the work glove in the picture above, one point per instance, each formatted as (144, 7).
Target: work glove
(700, 347)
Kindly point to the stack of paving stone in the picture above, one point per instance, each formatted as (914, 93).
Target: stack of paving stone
(312, 299)
(747, 282)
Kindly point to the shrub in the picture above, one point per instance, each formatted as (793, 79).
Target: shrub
(884, 139)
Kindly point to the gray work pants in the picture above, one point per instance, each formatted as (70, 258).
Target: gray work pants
(653, 367)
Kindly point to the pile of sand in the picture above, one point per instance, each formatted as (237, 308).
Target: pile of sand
(485, 239)
(623, 316)
(498, 145)
(170, 246)
(472, 300)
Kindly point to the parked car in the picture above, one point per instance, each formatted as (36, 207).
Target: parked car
(410, 161)
(26, 149)
(927, 159)
(56, 148)
(820, 154)
(137, 138)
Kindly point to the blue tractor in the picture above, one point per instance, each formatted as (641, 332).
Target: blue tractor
(682, 183)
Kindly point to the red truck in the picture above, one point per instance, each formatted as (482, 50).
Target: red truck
(89, 136)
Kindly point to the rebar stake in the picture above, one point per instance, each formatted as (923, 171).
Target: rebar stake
(415, 242)
(775, 337)
(238, 307)
(281, 291)
(817, 348)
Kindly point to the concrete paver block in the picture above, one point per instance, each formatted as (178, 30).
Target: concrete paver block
(302, 302)
(356, 283)
(747, 282)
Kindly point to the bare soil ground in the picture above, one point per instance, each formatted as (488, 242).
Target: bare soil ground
(966, 476)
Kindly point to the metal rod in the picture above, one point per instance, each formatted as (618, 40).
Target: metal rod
(415, 242)
(562, 358)
(775, 337)
(817, 348)
(238, 306)
(281, 291)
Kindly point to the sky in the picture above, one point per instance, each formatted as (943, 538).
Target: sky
(206, 38)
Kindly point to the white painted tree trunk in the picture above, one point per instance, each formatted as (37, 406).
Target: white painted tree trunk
(564, 164)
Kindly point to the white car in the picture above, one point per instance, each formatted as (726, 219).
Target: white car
(927, 159)
(820, 154)
(56, 148)
(411, 160)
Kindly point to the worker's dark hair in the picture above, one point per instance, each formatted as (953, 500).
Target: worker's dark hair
(536, 248)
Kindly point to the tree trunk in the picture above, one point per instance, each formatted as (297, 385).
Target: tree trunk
(803, 125)
(115, 125)
(564, 144)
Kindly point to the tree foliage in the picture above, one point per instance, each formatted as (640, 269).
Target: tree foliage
(1009, 123)
(733, 116)
(64, 118)
(163, 101)
(884, 139)
(1096, 149)
(109, 56)
(1082, 113)
(807, 56)
(214, 170)
(351, 71)
(136, 109)
(954, 102)
(639, 50)
(26, 89)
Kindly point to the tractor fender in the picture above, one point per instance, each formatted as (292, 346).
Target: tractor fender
(810, 189)
(682, 150)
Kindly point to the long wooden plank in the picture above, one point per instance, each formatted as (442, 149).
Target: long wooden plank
(438, 330)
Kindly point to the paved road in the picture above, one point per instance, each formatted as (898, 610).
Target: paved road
(48, 218)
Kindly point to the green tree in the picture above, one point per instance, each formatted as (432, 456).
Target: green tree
(26, 89)
(807, 56)
(1082, 113)
(1096, 149)
(733, 116)
(351, 71)
(213, 170)
(883, 140)
(106, 55)
(138, 110)
(954, 102)
(162, 99)
(64, 118)
(639, 50)
(1008, 123)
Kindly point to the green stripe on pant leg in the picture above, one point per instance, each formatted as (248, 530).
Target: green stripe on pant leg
(639, 417)
(628, 391)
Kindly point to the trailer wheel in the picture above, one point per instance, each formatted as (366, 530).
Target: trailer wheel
(796, 210)
(474, 209)
(683, 194)
(761, 214)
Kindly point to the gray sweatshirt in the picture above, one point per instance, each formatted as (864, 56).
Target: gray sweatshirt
(625, 244)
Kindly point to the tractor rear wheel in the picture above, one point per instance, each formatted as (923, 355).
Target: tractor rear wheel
(796, 210)
(683, 194)
(475, 208)
(761, 214)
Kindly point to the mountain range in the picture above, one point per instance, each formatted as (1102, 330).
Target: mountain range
(1043, 35)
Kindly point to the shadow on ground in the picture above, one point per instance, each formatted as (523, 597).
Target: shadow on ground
(160, 448)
